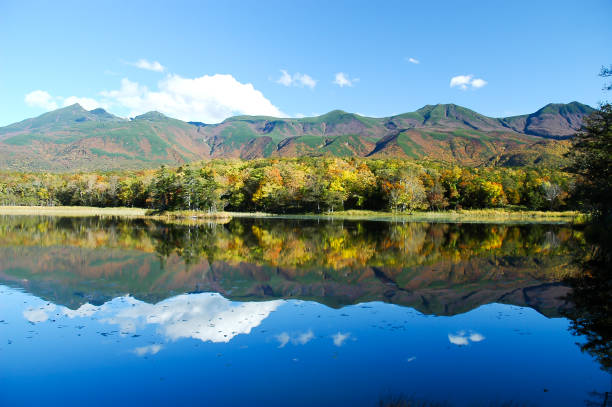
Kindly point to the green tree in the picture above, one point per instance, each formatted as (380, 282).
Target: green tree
(191, 189)
(165, 190)
(210, 192)
(606, 73)
(591, 314)
(592, 161)
(314, 189)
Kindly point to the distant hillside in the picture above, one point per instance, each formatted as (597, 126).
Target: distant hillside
(73, 138)
(555, 120)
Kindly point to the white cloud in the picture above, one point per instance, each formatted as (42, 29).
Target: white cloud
(478, 83)
(341, 79)
(340, 337)
(285, 78)
(209, 98)
(40, 98)
(307, 80)
(297, 79)
(86, 103)
(149, 66)
(463, 82)
(413, 61)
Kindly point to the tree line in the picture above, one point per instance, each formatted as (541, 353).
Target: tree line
(327, 184)
(301, 185)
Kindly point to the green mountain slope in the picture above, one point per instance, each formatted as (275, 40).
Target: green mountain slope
(73, 138)
(448, 116)
(555, 120)
(61, 119)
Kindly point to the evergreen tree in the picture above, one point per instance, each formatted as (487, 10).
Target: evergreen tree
(592, 156)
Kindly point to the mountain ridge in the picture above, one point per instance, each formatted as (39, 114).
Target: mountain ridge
(73, 138)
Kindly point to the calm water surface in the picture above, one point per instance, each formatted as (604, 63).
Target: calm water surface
(288, 312)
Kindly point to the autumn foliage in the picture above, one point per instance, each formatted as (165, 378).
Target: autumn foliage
(299, 185)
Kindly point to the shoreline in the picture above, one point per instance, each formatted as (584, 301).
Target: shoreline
(449, 216)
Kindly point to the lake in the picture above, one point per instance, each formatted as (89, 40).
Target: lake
(277, 312)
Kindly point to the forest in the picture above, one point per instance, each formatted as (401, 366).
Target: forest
(301, 185)
(328, 184)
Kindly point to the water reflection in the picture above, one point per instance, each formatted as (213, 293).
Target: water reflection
(437, 268)
(206, 316)
(185, 346)
(463, 338)
(591, 295)
(173, 307)
(298, 339)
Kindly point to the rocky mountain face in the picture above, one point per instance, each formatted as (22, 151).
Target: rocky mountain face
(557, 121)
(73, 138)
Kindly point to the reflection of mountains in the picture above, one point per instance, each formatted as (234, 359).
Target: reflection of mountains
(435, 268)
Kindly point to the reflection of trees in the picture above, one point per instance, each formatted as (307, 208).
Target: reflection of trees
(305, 245)
(438, 268)
(591, 315)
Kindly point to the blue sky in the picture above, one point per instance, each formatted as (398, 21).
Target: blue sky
(216, 59)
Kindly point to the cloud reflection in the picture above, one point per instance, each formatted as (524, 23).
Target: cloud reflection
(463, 338)
(458, 340)
(340, 337)
(206, 316)
(41, 314)
(476, 337)
(283, 339)
(147, 350)
(299, 339)
(304, 338)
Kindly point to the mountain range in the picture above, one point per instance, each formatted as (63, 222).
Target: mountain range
(72, 138)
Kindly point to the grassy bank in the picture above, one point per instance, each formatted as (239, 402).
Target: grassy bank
(472, 215)
(191, 216)
(467, 216)
(76, 211)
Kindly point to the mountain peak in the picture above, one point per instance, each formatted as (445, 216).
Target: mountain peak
(75, 107)
(565, 108)
(151, 116)
(446, 132)
(102, 115)
(334, 115)
(336, 111)
(555, 120)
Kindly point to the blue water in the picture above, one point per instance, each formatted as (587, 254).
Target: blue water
(202, 349)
